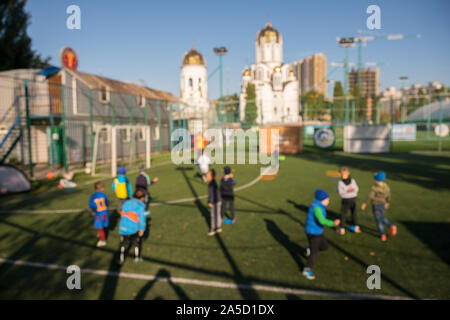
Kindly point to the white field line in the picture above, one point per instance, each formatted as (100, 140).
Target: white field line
(154, 204)
(206, 283)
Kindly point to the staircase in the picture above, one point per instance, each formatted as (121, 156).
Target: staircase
(11, 133)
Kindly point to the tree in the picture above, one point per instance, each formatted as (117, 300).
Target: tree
(338, 111)
(250, 107)
(229, 105)
(359, 103)
(15, 44)
(315, 102)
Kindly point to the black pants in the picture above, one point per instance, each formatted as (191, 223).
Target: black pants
(316, 243)
(348, 204)
(134, 239)
(230, 201)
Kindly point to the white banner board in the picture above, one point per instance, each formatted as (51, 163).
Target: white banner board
(404, 132)
(367, 139)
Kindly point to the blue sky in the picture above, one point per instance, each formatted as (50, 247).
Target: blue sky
(145, 40)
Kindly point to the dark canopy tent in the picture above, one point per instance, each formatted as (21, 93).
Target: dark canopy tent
(13, 180)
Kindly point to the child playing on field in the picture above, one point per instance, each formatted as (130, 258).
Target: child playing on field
(98, 203)
(316, 219)
(214, 202)
(132, 224)
(204, 162)
(227, 193)
(143, 182)
(379, 197)
(122, 188)
(348, 190)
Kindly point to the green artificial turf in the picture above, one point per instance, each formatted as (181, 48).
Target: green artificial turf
(265, 247)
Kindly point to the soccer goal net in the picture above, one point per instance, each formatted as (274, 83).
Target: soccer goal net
(120, 145)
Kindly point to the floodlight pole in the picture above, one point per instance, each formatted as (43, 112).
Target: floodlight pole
(220, 52)
(345, 43)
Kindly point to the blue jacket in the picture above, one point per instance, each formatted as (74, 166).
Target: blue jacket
(133, 217)
(312, 225)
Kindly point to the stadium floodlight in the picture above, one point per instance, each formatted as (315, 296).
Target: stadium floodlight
(346, 42)
(220, 50)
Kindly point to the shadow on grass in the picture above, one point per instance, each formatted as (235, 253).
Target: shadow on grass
(418, 169)
(435, 235)
(225, 275)
(356, 259)
(294, 249)
(164, 275)
(238, 276)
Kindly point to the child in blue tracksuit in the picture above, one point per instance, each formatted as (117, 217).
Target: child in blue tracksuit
(98, 203)
(316, 219)
(132, 224)
(122, 188)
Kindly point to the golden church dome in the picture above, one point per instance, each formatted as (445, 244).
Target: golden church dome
(268, 33)
(193, 57)
(246, 72)
(277, 69)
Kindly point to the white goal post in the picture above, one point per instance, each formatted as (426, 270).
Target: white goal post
(111, 132)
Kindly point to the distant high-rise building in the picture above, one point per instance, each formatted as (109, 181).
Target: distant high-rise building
(370, 81)
(312, 74)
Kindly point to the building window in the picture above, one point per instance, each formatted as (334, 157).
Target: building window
(190, 82)
(124, 135)
(104, 135)
(275, 111)
(155, 133)
(141, 101)
(104, 95)
(288, 111)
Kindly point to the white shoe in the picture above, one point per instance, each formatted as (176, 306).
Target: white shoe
(341, 231)
(211, 233)
(101, 243)
(357, 229)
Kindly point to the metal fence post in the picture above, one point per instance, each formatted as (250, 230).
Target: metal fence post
(131, 110)
(28, 123)
(377, 107)
(64, 117)
(91, 125)
(170, 126)
(440, 122)
(159, 125)
(113, 109)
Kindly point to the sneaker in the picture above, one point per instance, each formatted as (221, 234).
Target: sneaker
(234, 221)
(120, 262)
(211, 233)
(137, 260)
(341, 231)
(101, 243)
(383, 237)
(357, 229)
(307, 272)
(393, 230)
(219, 230)
(308, 251)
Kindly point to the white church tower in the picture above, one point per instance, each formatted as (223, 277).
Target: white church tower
(193, 83)
(275, 83)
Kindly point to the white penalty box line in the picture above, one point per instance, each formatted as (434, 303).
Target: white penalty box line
(206, 283)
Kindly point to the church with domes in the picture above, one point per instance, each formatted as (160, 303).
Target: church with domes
(276, 85)
(193, 82)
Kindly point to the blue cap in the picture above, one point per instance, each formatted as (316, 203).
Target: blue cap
(380, 176)
(321, 194)
(122, 170)
(227, 170)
